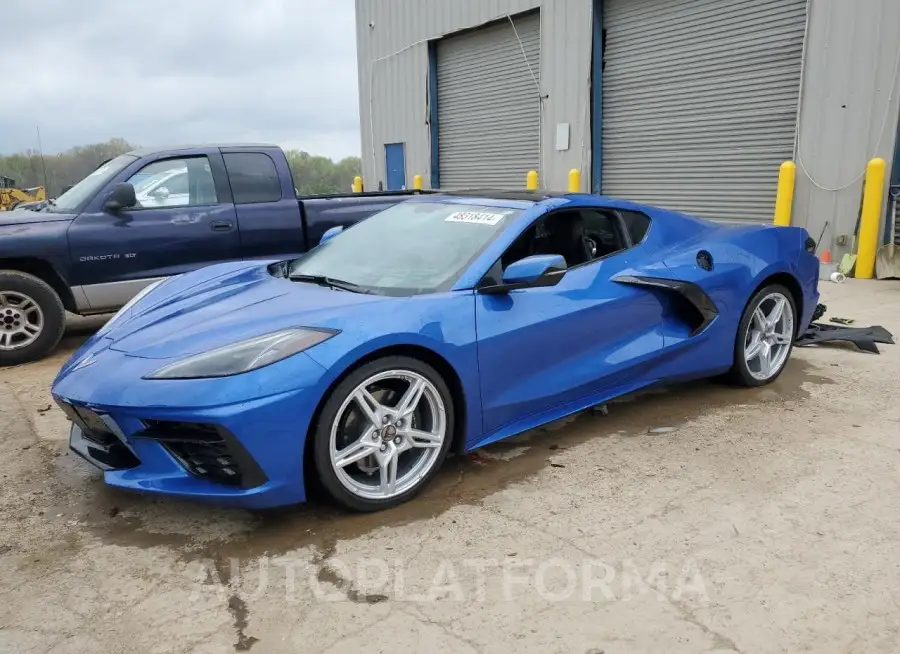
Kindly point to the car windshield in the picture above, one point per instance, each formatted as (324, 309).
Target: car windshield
(411, 248)
(74, 199)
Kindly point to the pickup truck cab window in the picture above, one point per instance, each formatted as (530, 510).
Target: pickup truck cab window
(253, 177)
(183, 182)
(73, 200)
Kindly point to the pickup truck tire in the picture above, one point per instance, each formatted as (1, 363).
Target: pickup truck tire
(32, 318)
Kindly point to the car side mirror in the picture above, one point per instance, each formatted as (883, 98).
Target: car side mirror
(331, 233)
(160, 192)
(530, 272)
(121, 197)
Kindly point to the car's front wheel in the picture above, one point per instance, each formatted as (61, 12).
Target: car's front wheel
(765, 337)
(383, 433)
(32, 318)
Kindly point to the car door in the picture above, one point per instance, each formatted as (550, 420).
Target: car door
(540, 348)
(114, 255)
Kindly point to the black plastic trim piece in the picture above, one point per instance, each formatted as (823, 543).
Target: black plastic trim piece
(688, 290)
(550, 278)
(105, 453)
(169, 433)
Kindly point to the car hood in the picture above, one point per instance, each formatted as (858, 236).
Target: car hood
(25, 217)
(226, 304)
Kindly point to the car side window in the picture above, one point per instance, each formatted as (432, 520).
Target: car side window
(253, 177)
(601, 230)
(579, 235)
(182, 182)
(637, 224)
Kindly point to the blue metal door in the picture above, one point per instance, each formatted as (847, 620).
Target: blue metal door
(395, 164)
(892, 214)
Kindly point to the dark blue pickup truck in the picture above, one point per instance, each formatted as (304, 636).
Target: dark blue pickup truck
(147, 215)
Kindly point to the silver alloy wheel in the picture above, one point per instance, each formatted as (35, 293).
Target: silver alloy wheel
(769, 336)
(21, 320)
(399, 439)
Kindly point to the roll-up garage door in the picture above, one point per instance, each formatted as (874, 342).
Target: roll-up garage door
(489, 106)
(700, 102)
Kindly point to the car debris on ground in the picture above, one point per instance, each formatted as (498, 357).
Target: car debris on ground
(864, 338)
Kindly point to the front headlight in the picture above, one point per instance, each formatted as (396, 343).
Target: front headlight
(244, 356)
(121, 312)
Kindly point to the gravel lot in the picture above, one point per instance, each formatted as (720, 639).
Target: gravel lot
(700, 519)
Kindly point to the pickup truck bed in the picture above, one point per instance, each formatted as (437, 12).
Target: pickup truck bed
(322, 212)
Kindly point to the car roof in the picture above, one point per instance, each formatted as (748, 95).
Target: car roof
(521, 199)
(501, 194)
(506, 198)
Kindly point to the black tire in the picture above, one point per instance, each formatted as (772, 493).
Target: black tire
(54, 316)
(740, 372)
(322, 432)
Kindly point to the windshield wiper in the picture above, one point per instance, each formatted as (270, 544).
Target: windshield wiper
(331, 282)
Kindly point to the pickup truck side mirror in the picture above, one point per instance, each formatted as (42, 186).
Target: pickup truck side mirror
(161, 192)
(331, 233)
(121, 197)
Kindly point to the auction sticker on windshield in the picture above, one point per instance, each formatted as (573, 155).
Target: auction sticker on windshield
(478, 217)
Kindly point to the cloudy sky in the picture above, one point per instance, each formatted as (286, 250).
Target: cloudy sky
(179, 71)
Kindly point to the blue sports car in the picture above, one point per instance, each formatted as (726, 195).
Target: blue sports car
(446, 322)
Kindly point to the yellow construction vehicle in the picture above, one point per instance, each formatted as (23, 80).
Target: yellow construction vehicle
(11, 197)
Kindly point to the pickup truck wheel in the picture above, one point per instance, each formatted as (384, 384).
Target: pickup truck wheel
(32, 318)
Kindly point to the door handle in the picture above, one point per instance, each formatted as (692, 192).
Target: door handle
(221, 225)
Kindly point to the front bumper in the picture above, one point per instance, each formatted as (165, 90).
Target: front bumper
(173, 438)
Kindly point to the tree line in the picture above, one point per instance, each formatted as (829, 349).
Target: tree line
(312, 174)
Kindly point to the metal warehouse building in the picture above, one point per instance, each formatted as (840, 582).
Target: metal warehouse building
(687, 104)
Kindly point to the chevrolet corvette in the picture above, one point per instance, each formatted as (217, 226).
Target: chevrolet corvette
(443, 323)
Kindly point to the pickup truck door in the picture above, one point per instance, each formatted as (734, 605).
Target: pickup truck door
(274, 223)
(185, 219)
(268, 213)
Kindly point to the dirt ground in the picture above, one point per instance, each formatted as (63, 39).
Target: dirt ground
(700, 519)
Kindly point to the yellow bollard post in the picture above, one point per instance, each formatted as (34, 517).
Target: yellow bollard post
(357, 184)
(873, 196)
(531, 180)
(784, 197)
(574, 180)
(417, 182)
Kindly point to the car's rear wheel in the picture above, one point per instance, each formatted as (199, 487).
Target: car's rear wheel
(32, 318)
(383, 433)
(765, 337)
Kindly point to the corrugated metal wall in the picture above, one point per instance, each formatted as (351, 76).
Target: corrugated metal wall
(489, 104)
(392, 55)
(700, 102)
(849, 110)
